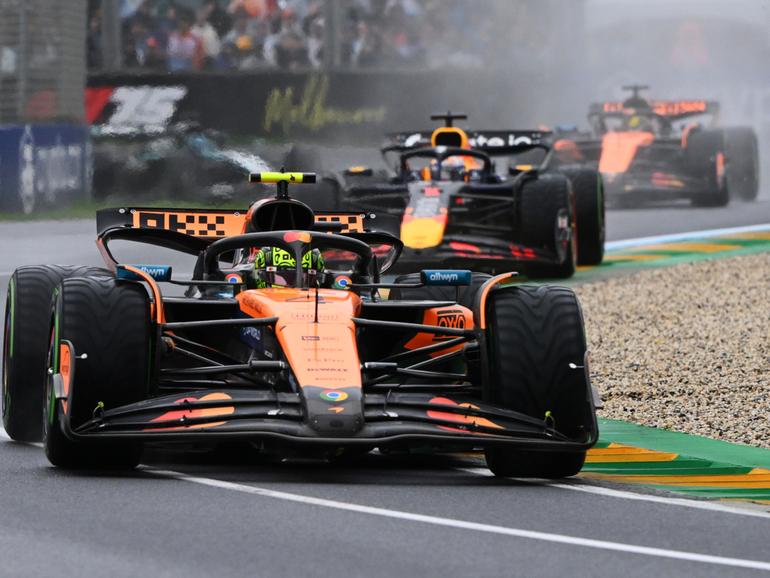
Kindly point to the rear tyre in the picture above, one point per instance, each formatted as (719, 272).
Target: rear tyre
(25, 343)
(534, 333)
(703, 153)
(547, 218)
(742, 167)
(110, 322)
(588, 188)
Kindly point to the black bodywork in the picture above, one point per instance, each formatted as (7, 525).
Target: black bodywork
(481, 205)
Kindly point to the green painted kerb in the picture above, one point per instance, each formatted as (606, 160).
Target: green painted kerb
(686, 445)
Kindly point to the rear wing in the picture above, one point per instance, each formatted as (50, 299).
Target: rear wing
(671, 109)
(208, 224)
(492, 142)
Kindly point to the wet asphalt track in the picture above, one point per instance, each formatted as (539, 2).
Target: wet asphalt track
(427, 516)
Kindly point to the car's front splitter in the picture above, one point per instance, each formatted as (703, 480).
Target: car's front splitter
(395, 419)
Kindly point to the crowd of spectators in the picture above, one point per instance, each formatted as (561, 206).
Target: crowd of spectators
(183, 35)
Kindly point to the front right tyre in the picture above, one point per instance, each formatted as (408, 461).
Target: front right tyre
(108, 321)
(535, 352)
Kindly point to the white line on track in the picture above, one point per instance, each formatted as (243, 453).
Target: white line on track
(705, 234)
(464, 525)
(588, 488)
(492, 529)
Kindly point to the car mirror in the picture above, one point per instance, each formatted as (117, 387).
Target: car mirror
(445, 277)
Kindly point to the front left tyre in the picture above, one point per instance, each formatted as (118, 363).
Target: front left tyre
(108, 322)
(25, 343)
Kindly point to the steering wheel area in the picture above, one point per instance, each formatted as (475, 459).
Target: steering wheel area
(439, 154)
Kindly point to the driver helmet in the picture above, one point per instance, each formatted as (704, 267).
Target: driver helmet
(638, 122)
(275, 267)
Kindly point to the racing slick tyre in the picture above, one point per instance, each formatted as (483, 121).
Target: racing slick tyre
(108, 322)
(467, 294)
(742, 166)
(25, 343)
(703, 154)
(533, 335)
(546, 212)
(588, 188)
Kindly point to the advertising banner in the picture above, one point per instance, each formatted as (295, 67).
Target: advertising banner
(43, 166)
(287, 105)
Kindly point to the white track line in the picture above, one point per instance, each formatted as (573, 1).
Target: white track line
(472, 526)
(705, 234)
(609, 492)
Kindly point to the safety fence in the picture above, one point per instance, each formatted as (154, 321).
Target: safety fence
(44, 145)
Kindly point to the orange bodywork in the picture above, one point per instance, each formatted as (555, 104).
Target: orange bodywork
(459, 418)
(568, 149)
(65, 366)
(321, 354)
(65, 369)
(156, 307)
(485, 289)
(176, 415)
(619, 150)
(451, 316)
(221, 224)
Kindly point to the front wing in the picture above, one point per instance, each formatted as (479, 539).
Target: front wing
(389, 419)
(475, 252)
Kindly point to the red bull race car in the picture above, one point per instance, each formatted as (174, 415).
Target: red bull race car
(653, 150)
(283, 338)
(451, 204)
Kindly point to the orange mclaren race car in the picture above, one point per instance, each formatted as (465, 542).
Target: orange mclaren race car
(451, 205)
(283, 339)
(651, 150)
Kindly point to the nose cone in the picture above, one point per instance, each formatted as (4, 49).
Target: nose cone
(619, 150)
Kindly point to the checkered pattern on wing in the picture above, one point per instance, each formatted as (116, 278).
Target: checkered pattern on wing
(354, 223)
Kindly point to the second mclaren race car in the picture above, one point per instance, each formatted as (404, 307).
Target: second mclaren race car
(652, 151)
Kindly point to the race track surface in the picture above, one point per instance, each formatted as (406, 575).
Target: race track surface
(234, 513)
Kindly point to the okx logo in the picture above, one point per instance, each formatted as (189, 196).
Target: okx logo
(450, 318)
